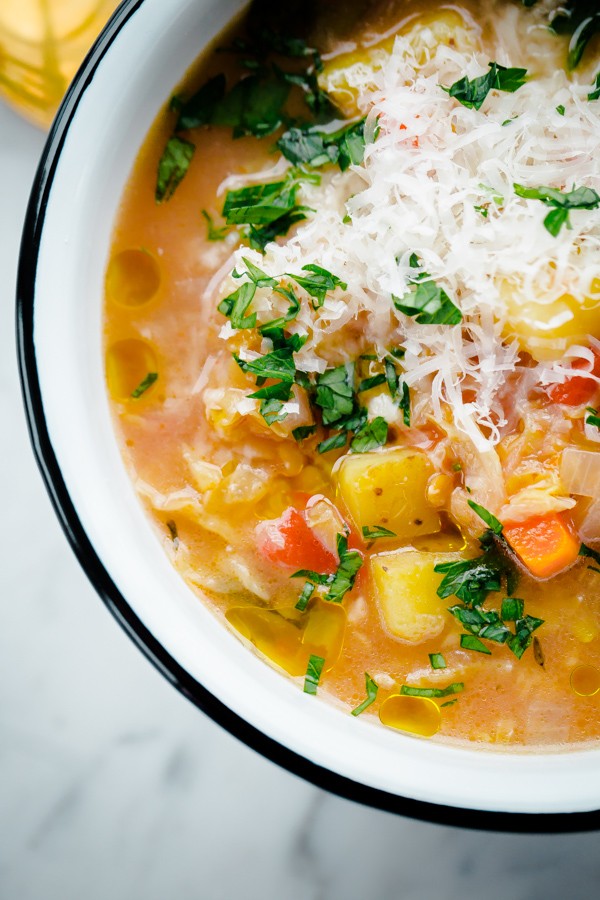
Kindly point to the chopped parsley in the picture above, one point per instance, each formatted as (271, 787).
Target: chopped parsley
(428, 304)
(562, 202)
(373, 532)
(437, 661)
(456, 688)
(471, 580)
(313, 674)
(143, 386)
(472, 92)
(372, 689)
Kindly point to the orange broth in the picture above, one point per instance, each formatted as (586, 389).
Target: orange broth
(505, 701)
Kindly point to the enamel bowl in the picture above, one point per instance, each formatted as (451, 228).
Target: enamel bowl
(142, 54)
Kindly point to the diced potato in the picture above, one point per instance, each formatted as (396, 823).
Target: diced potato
(389, 489)
(346, 75)
(546, 329)
(406, 586)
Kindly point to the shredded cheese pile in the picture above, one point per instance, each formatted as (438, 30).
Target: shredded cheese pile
(437, 180)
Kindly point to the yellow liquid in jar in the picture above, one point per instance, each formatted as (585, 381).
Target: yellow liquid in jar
(42, 43)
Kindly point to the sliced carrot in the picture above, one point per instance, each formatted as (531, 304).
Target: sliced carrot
(545, 544)
(577, 390)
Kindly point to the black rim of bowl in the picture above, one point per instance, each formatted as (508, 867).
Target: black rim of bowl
(109, 592)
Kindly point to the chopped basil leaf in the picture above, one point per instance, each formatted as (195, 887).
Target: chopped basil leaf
(470, 642)
(315, 577)
(317, 100)
(437, 661)
(254, 106)
(491, 521)
(258, 238)
(270, 410)
(199, 109)
(472, 92)
(277, 364)
(261, 204)
(256, 275)
(371, 688)
(482, 623)
(313, 674)
(429, 304)
(524, 628)
(347, 570)
(303, 431)
(318, 283)
(471, 580)
(213, 233)
(593, 418)
(561, 201)
(449, 703)
(317, 148)
(281, 390)
(335, 393)
(143, 386)
(595, 94)
(235, 306)
(307, 592)
(368, 384)
(334, 442)
(456, 688)
(372, 532)
(483, 210)
(173, 166)
(560, 109)
(372, 435)
(581, 20)
(405, 404)
(512, 609)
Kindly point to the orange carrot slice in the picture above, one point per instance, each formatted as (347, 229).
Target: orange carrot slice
(545, 544)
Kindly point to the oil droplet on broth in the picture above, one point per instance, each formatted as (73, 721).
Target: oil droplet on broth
(133, 278)
(585, 680)
(416, 715)
(128, 363)
(288, 637)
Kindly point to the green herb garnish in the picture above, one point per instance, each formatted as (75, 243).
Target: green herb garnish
(454, 688)
(593, 418)
(371, 436)
(318, 282)
(580, 19)
(307, 592)
(143, 386)
(437, 661)
(373, 532)
(313, 674)
(584, 550)
(303, 431)
(471, 580)
(491, 521)
(316, 148)
(561, 201)
(595, 94)
(561, 109)
(372, 690)
(347, 570)
(472, 92)
(429, 304)
(524, 628)
(470, 642)
(213, 232)
(172, 167)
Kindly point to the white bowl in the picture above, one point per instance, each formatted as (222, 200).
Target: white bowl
(140, 57)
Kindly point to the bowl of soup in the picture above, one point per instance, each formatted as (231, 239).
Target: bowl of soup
(309, 332)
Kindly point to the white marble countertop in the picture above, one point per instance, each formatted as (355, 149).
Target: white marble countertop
(114, 786)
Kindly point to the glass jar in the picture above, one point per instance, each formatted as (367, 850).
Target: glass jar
(42, 43)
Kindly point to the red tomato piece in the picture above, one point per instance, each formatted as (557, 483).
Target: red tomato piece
(289, 542)
(577, 390)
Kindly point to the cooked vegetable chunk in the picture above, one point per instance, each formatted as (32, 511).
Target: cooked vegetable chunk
(406, 587)
(390, 489)
(545, 544)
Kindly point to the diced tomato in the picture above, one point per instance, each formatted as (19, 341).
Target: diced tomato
(577, 390)
(289, 542)
(545, 544)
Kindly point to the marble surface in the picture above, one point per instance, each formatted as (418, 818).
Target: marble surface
(112, 785)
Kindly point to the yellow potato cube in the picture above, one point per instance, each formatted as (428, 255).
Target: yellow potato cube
(406, 586)
(389, 489)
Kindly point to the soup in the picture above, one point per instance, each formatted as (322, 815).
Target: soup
(352, 329)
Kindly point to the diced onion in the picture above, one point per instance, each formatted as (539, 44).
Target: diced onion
(589, 529)
(580, 471)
